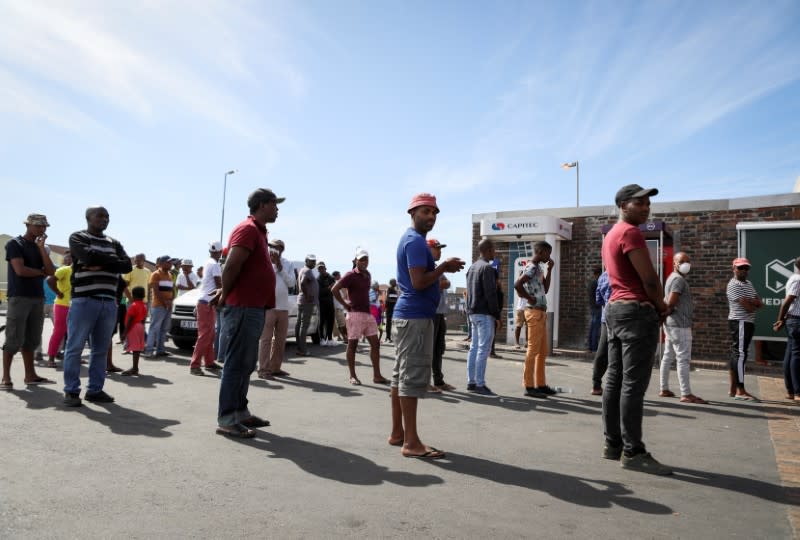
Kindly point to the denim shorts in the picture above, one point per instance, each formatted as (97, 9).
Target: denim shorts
(413, 342)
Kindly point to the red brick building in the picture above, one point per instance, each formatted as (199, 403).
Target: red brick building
(705, 229)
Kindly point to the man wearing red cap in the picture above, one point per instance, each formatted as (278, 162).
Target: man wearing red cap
(418, 278)
(743, 301)
(633, 314)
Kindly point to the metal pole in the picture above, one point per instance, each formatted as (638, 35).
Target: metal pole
(224, 189)
(577, 184)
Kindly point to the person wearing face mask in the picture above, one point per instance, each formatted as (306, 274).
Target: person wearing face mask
(678, 330)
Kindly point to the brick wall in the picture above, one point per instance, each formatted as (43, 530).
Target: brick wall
(709, 237)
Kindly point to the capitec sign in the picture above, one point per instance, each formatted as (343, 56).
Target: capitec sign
(538, 225)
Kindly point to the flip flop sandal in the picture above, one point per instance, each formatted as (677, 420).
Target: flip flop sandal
(396, 443)
(744, 398)
(39, 380)
(354, 381)
(434, 390)
(6, 387)
(129, 372)
(433, 453)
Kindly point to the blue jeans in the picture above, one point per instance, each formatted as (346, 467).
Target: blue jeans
(594, 329)
(159, 327)
(241, 330)
(482, 336)
(791, 360)
(93, 319)
(632, 339)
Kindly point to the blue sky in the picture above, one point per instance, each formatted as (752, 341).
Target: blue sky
(348, 108)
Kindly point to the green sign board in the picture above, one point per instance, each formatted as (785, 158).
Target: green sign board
(771, 252)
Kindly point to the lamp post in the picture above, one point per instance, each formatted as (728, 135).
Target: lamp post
(577, 180)
(224, 190)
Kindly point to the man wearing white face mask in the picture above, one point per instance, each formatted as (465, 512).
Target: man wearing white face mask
(678, 330)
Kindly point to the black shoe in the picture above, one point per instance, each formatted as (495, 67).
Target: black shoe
(72, 400)
(255, 422)
(612, 452)
(213, 367)
(196, 371)
(98, 397)
(546, 390)
(471, 387)
(484, 391)
(163, 353)
(645, 463)
(530, 391)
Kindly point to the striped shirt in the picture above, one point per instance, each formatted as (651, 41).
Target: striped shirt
(738, 290)
(107, 259)
(793, 289)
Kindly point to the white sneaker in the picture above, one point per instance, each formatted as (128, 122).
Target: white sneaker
(332, 343)
(323, 342)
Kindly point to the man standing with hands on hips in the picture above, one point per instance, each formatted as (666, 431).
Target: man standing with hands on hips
(418, 278)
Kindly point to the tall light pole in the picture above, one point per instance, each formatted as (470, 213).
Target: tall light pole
(577, 180)
(224, 190)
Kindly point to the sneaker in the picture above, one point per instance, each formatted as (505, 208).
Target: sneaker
(484, 391)
(98, 397)
(612, 452)
(530, 391)
(72, 400)
(213, 367)
(323, 342)
(471, 387)
(546, 390)
(196, 371)
(164, 353)
(645, 463)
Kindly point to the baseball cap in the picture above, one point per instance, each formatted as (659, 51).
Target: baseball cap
(214, 246)
(361, 253)
(422, 199)
(311, 257)
(740, 261)
(321, 263)
(632, 191)
(163, 259)
(433, 242)
(277, 244)
(187, 262)
(263, 195)
(36, 219)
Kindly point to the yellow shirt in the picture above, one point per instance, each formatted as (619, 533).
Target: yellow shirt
(138, 277)
(62, 275)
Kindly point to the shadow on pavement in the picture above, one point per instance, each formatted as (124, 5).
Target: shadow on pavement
(118, 419)
(322, 387)
(142, 380)
(755, 488)
(333, 463)
(580, 491)
(718, 407)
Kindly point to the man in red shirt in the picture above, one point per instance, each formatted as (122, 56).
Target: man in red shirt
(248, 290)
(633, 316)
(360, 322)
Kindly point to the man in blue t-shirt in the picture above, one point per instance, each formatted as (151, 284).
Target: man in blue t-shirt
(418, 280)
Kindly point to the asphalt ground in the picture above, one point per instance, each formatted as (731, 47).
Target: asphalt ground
(151, 466)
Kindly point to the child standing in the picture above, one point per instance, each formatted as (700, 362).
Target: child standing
(134, 328)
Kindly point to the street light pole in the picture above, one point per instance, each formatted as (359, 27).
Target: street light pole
(224, 190)
(577, 180)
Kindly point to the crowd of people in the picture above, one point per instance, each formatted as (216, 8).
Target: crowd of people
(243, 309)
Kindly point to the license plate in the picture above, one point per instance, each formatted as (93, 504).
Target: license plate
(188, 324)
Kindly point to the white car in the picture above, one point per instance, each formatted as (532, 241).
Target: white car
(183, 327)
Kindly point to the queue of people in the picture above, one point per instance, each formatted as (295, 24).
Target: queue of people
(242, 317)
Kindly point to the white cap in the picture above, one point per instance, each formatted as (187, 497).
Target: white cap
(311, 257)
(361, 253)
(215, 246)
(187, 262)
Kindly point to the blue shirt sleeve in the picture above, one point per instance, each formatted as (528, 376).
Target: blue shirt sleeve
(417, 253)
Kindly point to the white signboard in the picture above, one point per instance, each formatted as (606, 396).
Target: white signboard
(538, 225)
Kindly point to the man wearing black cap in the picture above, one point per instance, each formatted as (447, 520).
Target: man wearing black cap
(248, 290)
(632, 319)
(28, 263)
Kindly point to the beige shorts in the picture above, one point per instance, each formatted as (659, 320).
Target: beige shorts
(413, 342)
(519, 318)
(340, 319)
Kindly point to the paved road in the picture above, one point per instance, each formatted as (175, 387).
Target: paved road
(151, 466)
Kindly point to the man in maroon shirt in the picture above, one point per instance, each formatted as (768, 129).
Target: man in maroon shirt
(360, 321)
(248, 289)
(633, 315)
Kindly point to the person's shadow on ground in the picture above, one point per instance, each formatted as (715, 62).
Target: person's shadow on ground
(118, 419)
(333, 463)
(142, 380)
(314, 386)
(749, 486)
(572, 489)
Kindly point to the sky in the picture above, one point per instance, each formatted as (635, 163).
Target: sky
(349, 108)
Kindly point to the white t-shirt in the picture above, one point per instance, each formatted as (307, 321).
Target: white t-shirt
(284, 280)
(183, 280)
(211, 270)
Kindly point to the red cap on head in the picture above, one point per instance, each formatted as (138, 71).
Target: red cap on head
(433, 242)
(741, 261)
(422, 199)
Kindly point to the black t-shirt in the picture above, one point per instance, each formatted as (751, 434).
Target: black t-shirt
(392, 295)
(17, 248)
(325, 284)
